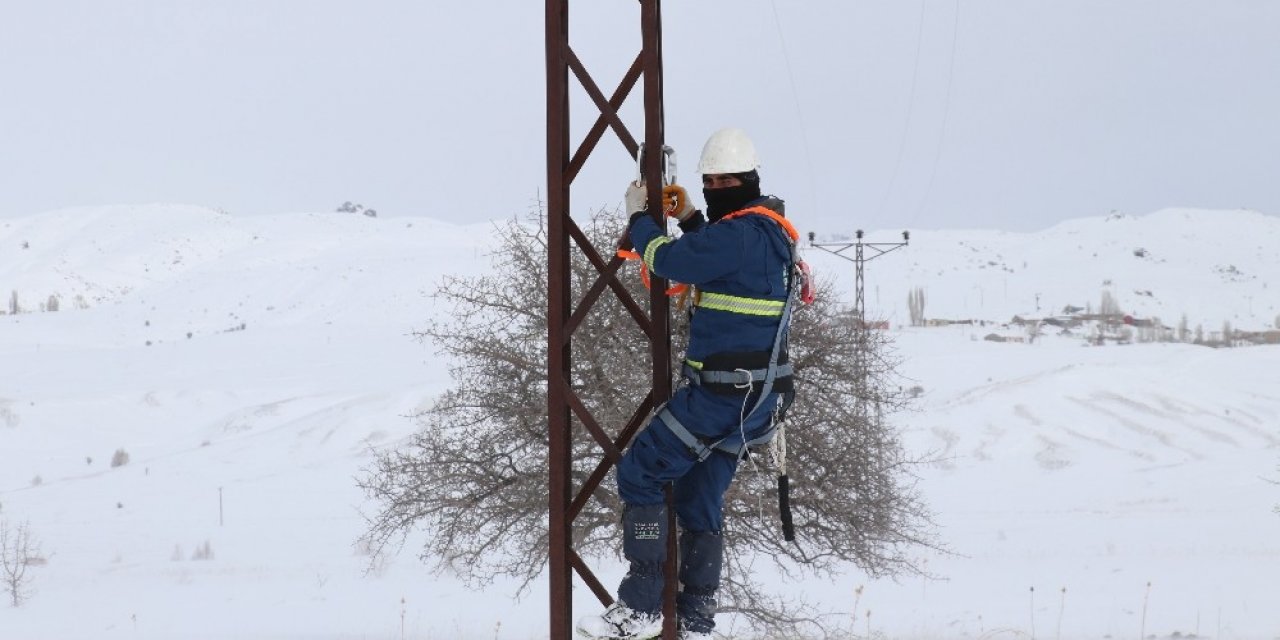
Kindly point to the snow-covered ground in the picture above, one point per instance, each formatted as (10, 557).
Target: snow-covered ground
(1128, 485)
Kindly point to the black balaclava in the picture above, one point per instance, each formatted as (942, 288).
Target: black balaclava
(721, 202)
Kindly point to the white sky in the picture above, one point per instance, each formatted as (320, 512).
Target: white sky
(1014, 114)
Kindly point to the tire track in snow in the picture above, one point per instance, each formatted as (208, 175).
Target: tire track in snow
(1179, 416)
(1252, 424)
(1024, 412)
(1093, 404)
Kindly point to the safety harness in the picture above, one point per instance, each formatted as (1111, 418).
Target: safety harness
(775, 374)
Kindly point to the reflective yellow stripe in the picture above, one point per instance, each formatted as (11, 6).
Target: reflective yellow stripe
(739, 304)
(652, 248)
(694, 363)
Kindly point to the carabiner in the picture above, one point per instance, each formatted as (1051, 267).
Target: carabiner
(668, 165)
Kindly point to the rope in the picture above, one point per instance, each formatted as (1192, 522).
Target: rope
(742, 425)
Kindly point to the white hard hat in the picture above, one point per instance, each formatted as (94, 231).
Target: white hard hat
(728, 151)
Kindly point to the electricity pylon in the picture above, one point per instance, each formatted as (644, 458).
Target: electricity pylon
(859, 259)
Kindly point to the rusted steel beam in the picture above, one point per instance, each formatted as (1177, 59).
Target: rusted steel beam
(660, 330)
(611, 451)
(559, 432)
(593, 481)
(563, 319)
(608, 278)
(602, 123)
(590, 578)
(607, 111)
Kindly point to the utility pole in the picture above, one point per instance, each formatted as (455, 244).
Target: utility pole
(566, 309)
(860, 259)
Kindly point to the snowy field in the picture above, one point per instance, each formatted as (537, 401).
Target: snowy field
(248, 366)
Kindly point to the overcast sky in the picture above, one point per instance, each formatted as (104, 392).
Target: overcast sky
(886, 114)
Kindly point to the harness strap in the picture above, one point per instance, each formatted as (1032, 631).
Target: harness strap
(699, 450)
(771, 214)
(702, 450)
(736, 377)
(778, 338)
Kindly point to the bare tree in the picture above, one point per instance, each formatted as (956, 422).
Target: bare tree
(1108, 306)
(19, 551)
(474, 476)
(915, 305)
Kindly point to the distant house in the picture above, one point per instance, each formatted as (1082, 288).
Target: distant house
(995, 337)
(1259, 337)
(1052, 321)
(874, 325)
(1104, 318)
(942, 322)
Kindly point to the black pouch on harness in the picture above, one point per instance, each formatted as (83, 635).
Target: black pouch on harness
(733, 364)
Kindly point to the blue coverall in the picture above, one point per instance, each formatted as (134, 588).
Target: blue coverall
(739, 266)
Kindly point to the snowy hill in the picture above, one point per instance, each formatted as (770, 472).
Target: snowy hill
(1212, 266)
(247, 365)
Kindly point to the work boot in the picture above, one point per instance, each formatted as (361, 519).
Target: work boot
(693, 635)
(701, 558)
(620, 622)
(683, 633)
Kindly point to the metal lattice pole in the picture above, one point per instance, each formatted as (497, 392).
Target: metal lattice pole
(859, 260)
(564, 314)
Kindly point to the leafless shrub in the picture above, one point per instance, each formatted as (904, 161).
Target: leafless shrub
(474, 477)
(19, 551)
(119, 458)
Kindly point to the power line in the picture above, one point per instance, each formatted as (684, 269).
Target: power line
(795, 97)
(946, 114)
(911, 107)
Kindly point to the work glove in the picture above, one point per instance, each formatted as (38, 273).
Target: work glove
(675, 202)
(637, 198)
